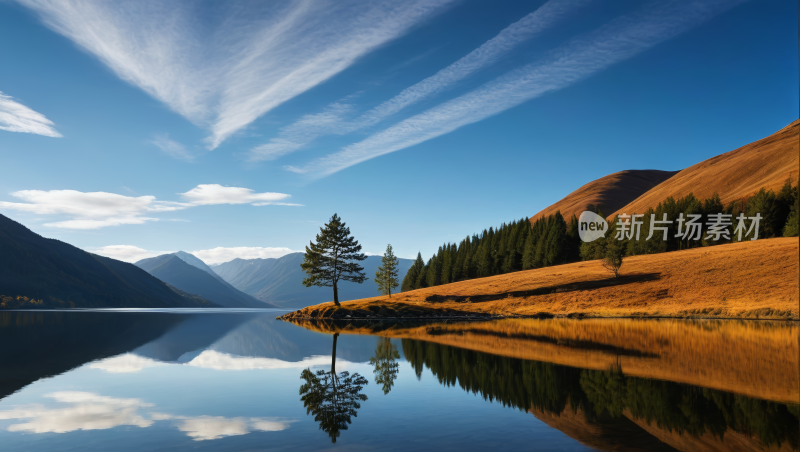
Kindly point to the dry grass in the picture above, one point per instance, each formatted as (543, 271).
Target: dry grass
(609, 192)
(734, 175)
(742, 280)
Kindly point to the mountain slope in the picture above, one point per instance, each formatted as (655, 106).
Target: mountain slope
(173, 270)
(608, 193)
(46, 269)
(279, 281)
(734, 175)
(195, 261)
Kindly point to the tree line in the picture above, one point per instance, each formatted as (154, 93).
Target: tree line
(524, 245)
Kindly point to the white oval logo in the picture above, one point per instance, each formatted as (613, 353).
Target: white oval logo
(591, 226)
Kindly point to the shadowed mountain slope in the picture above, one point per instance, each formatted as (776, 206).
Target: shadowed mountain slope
(734, 175)
(175, 271)
(47, 269)
(280, 281)
(608, 193)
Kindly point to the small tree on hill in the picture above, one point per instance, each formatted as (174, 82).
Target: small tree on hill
(614, 253)
(329, 260)
(387, 273)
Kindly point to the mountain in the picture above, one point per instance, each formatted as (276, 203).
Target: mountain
(62, 275)
(734, 175)
(172, 269)
(608, 193)
(194, 261)
(279, 281)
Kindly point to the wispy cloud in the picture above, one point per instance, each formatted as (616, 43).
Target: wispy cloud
(580, 58)
(126, 253)
(15, 117)
(172, 148)
(332, 119)
(224, 71)
(95, 210)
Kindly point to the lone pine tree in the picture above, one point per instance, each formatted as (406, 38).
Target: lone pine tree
(387, 274)
(330, 259)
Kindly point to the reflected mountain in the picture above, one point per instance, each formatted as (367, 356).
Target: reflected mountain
(44, 344)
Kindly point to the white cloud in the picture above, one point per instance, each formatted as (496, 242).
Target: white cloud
(86, 411)
(15, 117)
(172, 148)
(331, 121)
(95, 210)
(89, 411)
(619, 40)
(209, 194)
(219, 255)
(248, 59)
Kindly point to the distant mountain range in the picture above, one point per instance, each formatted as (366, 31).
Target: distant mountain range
(188, 273)
(61, 275)
(279, 280)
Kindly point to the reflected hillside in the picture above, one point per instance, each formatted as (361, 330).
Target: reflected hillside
(757, 359)
(43, 344)
(610, 410)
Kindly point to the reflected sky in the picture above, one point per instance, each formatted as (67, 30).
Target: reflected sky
(205, 381)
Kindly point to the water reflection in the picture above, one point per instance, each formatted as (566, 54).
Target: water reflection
(76, 410)
(385, 364)
(332, 398)
(666, 409)
(207, 381)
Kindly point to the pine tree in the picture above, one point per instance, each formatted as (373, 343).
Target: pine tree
(410, 280)
(330, 259)
(387, 274)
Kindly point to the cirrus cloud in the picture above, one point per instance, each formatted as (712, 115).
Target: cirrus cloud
(15, 117)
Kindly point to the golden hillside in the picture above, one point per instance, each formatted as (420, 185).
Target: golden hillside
(756, 279)
(734, 175)
(608, 193)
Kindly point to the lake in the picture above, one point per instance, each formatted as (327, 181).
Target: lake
(241, 380)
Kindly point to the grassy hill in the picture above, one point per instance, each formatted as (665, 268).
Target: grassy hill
(737, 174)
(757, 279)
(608, 193)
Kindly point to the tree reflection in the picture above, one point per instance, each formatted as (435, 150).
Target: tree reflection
(332, 398)
(385, 364)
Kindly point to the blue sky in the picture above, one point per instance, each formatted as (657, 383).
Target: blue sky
(237, 129)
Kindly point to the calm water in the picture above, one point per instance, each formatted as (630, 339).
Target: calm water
(245, 381)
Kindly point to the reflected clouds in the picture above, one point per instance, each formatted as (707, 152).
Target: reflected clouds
(125, 364)
(88, 411)
(208, 359)
(85, 411)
